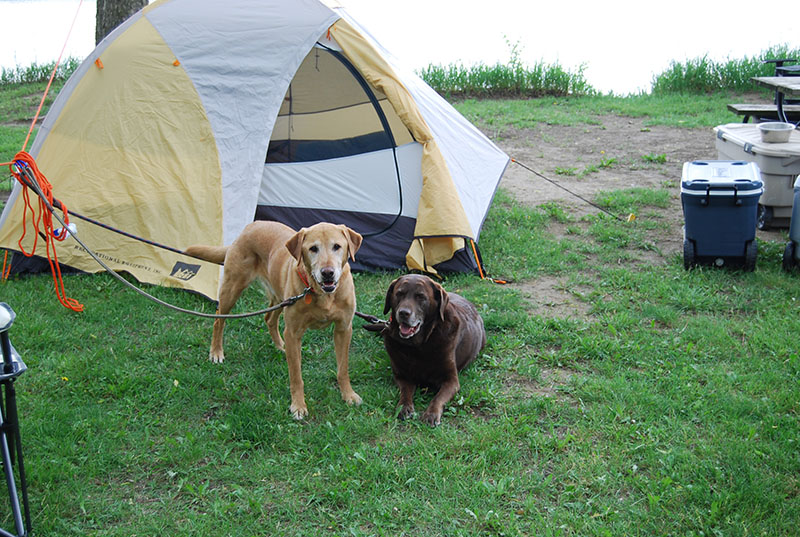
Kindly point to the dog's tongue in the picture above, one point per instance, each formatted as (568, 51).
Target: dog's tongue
(407, 330)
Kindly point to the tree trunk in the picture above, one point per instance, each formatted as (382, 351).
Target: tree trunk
(112, 13)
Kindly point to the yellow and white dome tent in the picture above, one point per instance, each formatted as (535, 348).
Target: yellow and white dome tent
(196, 116)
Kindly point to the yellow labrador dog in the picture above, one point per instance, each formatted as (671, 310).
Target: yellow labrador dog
(286, 262)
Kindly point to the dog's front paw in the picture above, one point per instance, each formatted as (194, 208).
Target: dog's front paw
(431, 417)
(352, 398)
(216, 357)
(406, 412)
(298, 411)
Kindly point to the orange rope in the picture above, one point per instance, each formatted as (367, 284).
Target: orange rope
(52, 76)
(477, 259)
(484, 276)
(44, 185)
(43, 223)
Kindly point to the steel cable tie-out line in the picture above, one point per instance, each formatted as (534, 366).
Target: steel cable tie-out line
(57, 205)
(630, 217)
(31, 183)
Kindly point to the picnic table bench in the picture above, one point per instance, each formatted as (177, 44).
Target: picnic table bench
(765, 111)
(781, 108)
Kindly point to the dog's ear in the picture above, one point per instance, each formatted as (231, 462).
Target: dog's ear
(353, 241)
(295, 244)
(441, 297)
(389, 292)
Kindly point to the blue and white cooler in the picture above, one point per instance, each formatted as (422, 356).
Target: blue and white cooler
(720, 207)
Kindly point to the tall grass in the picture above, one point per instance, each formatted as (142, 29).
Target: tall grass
(38, 72)
(514, 79)
(673, 109)
(704, 75)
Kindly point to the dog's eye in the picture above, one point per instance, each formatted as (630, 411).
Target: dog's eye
(336, 247)
(420, 296)
(313, 249)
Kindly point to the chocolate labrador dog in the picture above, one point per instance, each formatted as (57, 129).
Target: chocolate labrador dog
(431, 336)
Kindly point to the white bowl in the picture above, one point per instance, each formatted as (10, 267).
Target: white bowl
(775, 131)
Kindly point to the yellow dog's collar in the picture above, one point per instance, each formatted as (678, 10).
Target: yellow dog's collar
(304, 279)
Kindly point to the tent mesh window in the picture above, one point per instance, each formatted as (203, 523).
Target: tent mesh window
(329, 111)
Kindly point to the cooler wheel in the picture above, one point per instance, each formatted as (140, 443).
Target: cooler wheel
(688, 254)
(750, 255)
(788, 256)
(764, 217)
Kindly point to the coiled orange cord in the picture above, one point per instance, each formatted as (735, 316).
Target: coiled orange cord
(24, 159)
(42, 221)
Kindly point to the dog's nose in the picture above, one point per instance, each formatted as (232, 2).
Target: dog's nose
(327, 274)
(403, 314)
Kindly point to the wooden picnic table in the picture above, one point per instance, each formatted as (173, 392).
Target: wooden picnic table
(783, 86)
(763, 112)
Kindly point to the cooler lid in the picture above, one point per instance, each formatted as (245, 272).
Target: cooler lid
(699, 175)
(748, 137)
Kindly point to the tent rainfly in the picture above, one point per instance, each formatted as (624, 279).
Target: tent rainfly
(195, 117)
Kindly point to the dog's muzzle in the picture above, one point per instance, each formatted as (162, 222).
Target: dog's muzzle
(327, 280)
(407, 324)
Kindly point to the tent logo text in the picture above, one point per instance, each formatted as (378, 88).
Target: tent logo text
(184, 271)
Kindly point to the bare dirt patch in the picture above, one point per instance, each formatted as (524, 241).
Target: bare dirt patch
(550, 384)
(572, 156)
(549, 149)
(547, 296)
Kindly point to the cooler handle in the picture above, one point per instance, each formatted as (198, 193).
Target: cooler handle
(736, 200)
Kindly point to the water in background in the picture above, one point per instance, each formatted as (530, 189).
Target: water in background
(34, 31)
(621, 43)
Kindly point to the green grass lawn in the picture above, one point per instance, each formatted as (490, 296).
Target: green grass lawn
(669, 408)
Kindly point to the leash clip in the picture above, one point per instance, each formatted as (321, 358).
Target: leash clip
(307, 292)
(292, 299)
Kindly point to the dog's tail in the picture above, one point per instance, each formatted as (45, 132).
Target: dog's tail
(212, 254)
